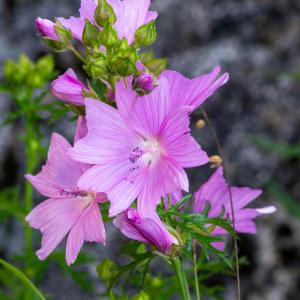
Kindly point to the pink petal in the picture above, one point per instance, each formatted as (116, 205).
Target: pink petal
(131, 14)
(89, 227)
(68, 88)
(177, 141)
(144, 114)
(104, 122)
(243, 196)
(60, 173)
(87, 9)
(193, 92)
(76, 25)
(46, 28)
(54, 218)
(214, 191)
(162, 178)
(81, 129)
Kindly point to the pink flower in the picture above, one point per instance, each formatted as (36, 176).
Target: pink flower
(140, 150)
(216, 192)
(68, 88)
(46, 28)
(131, 14)
(193, 92)
(145, 83)
(149, 230)
(69, 210)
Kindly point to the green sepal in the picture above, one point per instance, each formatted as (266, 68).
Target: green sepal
(109, 36)
(91, 35)
(104, 14)
(145, 35)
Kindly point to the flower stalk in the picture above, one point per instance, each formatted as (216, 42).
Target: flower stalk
(181, 276)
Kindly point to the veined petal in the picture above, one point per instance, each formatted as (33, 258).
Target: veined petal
(54, 218)
(109, 139)
(193, 92)
(76, 25)
(145, 114)
(177, 141)
(60, 172)
(131, 14)
(163, 178)
(87, 9)
(88, 228)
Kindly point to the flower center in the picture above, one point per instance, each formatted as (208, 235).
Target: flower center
(80, 195)
(148, 150)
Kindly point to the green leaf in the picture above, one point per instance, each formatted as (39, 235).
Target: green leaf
(283, 150)
(290, 203)
(180, 203)
(19, 274)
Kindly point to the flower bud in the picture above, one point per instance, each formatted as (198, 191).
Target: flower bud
(91, 35)
(200, 124)
(144, 84)
(146, 34)
(216, 161)
(109, 36)
(104, 14)
(68, 88)
(46, 28)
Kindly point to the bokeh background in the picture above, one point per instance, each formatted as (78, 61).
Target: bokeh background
(256, 115)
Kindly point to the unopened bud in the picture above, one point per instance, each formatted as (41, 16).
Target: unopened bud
(105, 14)
(200, 124)
(91, 35)
(109, 36)
(216, 161)
(46, 28)
(146, 34)
(144, 84)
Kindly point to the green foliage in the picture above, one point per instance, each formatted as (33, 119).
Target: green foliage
(19, 274)
(284, 198)
(154, 65)
(285, 151)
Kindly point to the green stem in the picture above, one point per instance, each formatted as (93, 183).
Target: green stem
(77, 54)
(198, 297)
(30, 164)
(181, 278)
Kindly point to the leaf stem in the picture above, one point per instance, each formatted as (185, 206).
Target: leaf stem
(198, 296)
(77, 54)
(176, 262)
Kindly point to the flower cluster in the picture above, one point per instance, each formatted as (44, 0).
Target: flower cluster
(132, 143)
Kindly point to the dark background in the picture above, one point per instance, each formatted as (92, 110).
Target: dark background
(258, 43)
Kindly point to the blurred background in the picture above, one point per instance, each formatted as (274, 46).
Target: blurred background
(256, 115)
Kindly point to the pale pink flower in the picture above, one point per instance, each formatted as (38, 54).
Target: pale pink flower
(68, 88)
(46, 28)
(216, 192)
(69, 210)
(140, 150)
(131, 14)
(149, 230)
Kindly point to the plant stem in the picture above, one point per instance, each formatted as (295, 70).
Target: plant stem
(198, 297)
(181, 278)
(235, 245)
(30, 164)
(77, 54)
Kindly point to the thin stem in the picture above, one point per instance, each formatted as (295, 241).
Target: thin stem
(76, 53)
(198, 297)
(30, 162)
(220, 150)
(181, 278)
